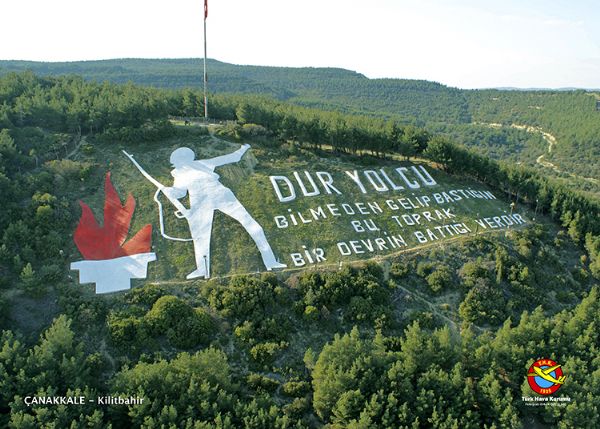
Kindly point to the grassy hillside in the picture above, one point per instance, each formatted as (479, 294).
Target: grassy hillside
(234, 252)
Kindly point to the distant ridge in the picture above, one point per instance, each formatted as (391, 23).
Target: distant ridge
(512, 88)
(118, 68)
(327, 88)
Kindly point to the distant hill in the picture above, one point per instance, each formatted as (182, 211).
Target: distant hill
(507, 124)
(330, 88)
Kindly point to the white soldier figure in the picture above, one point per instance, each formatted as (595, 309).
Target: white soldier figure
(198, 179)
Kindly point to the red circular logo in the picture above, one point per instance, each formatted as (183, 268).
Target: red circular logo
(545, 376)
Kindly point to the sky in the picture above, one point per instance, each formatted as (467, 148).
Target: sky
(461, 43)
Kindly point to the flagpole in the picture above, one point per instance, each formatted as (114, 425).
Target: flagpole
(205, 76)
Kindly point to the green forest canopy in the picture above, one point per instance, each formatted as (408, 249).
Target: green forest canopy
(441, 338)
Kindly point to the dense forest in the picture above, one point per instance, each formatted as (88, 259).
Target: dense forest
(441, 338)
(327, 86)
(503, 124)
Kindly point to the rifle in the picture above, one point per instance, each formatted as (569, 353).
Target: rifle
(181, 210)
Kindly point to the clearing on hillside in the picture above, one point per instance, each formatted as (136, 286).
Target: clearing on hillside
(313, 210)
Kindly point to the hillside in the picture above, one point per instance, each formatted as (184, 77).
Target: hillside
(435, 326)
(469, 116)
(328, 88)
(352, 225)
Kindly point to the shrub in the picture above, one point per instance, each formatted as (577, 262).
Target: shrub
(184, 326)
(425, 268)
(440, 279)
(191, 331)
(296, 389)
(50, 273)
(253, 130)
(261, 383)
(70, 170)
(311, 313)
(399, 270)
(361, 289)
(166, 312)
(264, 353)
(297, 408)
(127, 332)
(245, 297)
(360, 309)
(147, 295)
(471, 271)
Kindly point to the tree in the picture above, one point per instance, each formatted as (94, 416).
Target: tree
(592, 244)
(483, 304)
(30, 282)
(502, 260)
(7, 145)
(196, 386)
(345, 365)
(59, 360)
(440, 150)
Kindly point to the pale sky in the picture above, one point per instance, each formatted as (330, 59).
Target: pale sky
(463, 43)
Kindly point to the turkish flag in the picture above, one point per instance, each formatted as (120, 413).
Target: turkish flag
(205, 9)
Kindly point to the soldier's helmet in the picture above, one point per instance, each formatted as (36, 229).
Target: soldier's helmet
(182, 156)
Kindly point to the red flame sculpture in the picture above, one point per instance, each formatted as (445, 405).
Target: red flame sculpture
(108, 242)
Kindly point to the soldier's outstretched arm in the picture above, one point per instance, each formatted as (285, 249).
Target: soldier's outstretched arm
(226, 159)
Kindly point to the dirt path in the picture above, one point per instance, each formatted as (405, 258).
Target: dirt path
(546, 136)
(358, 262)
(432, 306)
(552, 142)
